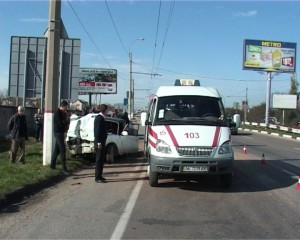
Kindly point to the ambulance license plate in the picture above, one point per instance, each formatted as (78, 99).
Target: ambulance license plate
(195, 169)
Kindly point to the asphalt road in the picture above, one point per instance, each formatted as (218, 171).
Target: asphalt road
(262, 202)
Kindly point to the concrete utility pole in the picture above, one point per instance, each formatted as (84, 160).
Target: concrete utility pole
(130, 92)
(52, 77)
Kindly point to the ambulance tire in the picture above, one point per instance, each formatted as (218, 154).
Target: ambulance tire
(153, 179)
(226, 180)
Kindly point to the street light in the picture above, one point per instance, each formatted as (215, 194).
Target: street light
(130, 93)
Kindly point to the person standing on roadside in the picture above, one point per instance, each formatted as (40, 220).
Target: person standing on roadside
(60, 126)
(125, 117)
(38, 118)
(100, 134)
(17, 125)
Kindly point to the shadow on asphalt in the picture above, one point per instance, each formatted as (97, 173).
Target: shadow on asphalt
(248, 176)
(243, 134)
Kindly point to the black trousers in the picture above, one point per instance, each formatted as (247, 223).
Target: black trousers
(59, 148)
(100, 159)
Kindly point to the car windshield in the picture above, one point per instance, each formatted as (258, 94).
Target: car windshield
(198, 110)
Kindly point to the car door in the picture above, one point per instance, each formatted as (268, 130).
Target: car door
(129, 141)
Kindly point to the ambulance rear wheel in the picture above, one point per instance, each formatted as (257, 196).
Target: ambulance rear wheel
(153, 179)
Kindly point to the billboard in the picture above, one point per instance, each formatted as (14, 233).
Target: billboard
(97, 81)
(27, 67)
(269, 56)
(284, 101)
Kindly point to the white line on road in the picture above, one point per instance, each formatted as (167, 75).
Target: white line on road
(248, 137)
(297, 149)
(290, 173)
(124, 219)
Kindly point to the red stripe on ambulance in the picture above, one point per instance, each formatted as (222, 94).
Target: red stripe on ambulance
(151, 143)
(216, 137)
(152, 133)
(175, 143)
(152, 137)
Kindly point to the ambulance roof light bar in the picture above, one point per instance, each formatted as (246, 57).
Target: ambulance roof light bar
(187, 82)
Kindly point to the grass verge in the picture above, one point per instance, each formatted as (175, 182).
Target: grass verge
(16, 176)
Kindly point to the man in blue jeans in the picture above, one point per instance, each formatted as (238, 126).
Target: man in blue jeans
(60, 126)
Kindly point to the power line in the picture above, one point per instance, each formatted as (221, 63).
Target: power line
(111, 17)
(157, 27)
(216, 78)
(164, 40)
(88, 34)
(167, 30)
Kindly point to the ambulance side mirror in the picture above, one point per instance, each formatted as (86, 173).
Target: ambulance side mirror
(143, 119)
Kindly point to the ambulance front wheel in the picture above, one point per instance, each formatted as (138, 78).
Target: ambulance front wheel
(153, 179)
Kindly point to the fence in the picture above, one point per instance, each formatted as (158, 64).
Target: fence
(276, 129)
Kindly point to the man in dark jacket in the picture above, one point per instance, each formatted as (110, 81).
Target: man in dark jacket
(17, 125)
(100, 134)
(60, 126)
(125, 117)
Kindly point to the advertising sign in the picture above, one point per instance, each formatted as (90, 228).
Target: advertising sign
(269, 56)
(97, 81)
(284, 101)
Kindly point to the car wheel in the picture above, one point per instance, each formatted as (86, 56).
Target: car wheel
(226, 180)
(153, 179)
(111, 152)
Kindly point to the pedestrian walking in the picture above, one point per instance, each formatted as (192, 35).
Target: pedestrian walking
(60, 126)
(17, 125)
(100, 134)
(38, 118)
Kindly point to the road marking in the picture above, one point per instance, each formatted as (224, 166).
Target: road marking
(297, 149)
(124, 219)
(248, 137)
(292, 175)
(289, 173)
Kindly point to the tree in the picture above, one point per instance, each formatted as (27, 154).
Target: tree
(294, 85)
(3, 93)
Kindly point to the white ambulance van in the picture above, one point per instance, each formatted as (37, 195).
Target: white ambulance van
(187, 134)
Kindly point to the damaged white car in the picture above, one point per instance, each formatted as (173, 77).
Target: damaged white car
(122, 138)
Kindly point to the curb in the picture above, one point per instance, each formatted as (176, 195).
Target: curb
(21, 194)
(265, 132)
